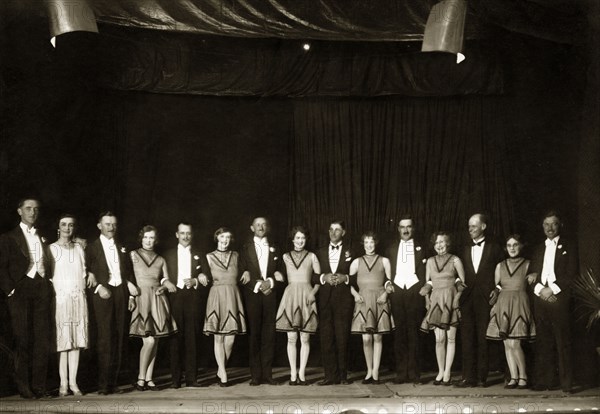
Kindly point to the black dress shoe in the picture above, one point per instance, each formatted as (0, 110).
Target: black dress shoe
(270, 381)
(253, 383)
(103, 392)
(540, 387)
(176, 385)
(345, 382)
(27, 395)
(116, 390)
(482, 384)
(465, 383)
(326, 382)
(399, 381)
(195, 384)
(42, 394)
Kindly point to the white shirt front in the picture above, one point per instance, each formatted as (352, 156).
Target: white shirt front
(112, 259)
(548, 277)
(405, 276)
(36, 251)
(184, 265)
(477, 252)
(335, 252)
(262, 253)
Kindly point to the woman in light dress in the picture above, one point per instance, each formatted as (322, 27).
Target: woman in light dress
(225, 316)
(372, 316)
(510, 317)
(297, 311)
(71, 316)
(151, 319)
(441, 301)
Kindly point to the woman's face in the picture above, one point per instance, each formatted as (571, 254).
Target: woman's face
(369, 245)
(441, 245)
(223, 240)
(513, 247)
(66, 226)
(149, 240)
(299, 240)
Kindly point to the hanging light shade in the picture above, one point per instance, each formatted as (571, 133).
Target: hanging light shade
(444, 31)
(70, 16)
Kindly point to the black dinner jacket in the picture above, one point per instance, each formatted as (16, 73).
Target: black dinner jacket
(565, 265)
(249, 262)
(96, 263)
(14, 259)
(326, 290)
(392, 254)
(482, 282)
(199, 265)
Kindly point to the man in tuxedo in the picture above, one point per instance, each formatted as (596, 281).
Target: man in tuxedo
(25, 273)
(259, 264)
(335, 305)
(110, 274)
(554, 267)
(407, 260)
(480, 258)
(189, 272)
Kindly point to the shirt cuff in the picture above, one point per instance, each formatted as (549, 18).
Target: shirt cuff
(537, 289)
(257, 286)
(322, 279)
(197, 282)
(347, 282)
(429, 282)
(97, 287)
(498, 287)
(554, 287)
(271, 282)
(12, 292)
(388, 282)
(163, 280)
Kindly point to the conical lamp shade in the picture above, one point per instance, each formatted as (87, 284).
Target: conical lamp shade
(444, 31)
(70, 16)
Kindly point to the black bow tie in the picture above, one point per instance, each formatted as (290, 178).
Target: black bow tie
(479, 243)
(335, 247)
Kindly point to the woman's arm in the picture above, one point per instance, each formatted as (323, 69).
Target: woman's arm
(460, 270)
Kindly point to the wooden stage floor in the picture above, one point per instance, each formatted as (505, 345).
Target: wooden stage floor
(353, 398)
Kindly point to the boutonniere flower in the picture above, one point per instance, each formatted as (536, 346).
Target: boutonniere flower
(560, 246)
(196, 257)
(197, 267)
(418, 248)
(43, 240)
(347, 253)
(272, 249)
(123, 250)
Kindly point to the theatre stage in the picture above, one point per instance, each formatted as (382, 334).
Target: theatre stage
(356, 397)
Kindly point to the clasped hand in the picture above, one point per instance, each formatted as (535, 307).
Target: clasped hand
(334, 279)
(382, 298)
(547, 295)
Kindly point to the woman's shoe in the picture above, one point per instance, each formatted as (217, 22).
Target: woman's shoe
(447, 383)
(150, 385)
(223, 384)
(63, 391)
(437, 382)
(300, 382)
(523, 386)
(512, 384)
(140, 387)
(75, 390)
(367, 380)
(375, 382)
(293, 382)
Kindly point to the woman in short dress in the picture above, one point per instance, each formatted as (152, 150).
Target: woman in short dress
(297, 310)
(372, 316)
(441, 298)
(151, 319)
(510, 317)
(71, 316)
(225, 316)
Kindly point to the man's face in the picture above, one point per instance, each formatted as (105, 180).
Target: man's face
(336, 232)
(108, 226)
(29, 212)
(184, 234)
(476, 227)
(552, 226)
(260, 227)
(405, 229)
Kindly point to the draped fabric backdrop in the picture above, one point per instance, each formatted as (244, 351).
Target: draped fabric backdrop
(367, 161)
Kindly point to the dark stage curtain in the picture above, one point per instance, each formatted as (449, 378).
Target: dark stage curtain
(367, 161)
(155, 61)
